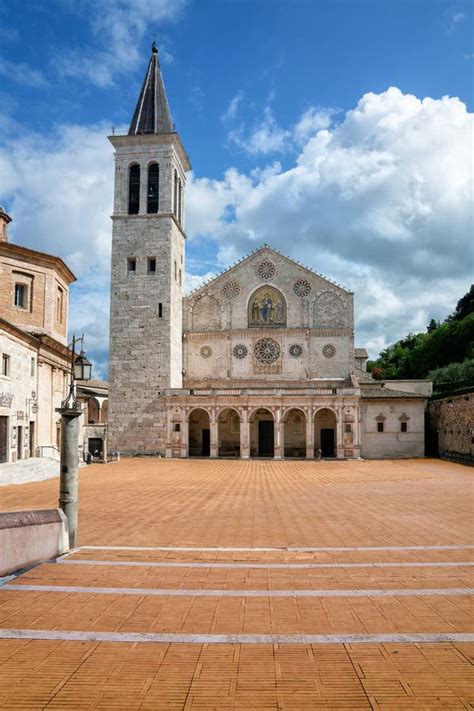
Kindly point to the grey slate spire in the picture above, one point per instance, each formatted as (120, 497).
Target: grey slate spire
(152, 113)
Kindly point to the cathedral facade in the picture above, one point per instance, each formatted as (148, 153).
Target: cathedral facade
(259, 362)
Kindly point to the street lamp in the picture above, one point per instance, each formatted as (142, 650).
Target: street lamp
(71, 411)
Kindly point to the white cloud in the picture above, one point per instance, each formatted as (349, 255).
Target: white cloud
(312, 121)
(380, 202)
(22, 73)
(231, 111)
(118, 27)
(264, 138)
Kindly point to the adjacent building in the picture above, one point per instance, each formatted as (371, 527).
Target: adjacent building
(260, 361)
(34, 356)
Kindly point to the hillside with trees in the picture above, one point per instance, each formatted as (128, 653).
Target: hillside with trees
(444, 353)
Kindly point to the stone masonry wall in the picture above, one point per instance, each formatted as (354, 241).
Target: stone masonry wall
(453, 419)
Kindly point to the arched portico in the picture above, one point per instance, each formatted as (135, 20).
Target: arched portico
(325, 432)
(199, 428)
(294, 433)
(228, 433)
(262, 433)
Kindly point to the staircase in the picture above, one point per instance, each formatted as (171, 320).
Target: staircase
(33, 469)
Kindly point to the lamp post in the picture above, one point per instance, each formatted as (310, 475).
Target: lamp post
(71, 411)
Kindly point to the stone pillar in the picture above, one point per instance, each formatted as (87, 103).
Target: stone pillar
(69, 466)
(169, 435)
(339, 434)
(143, 190)
(244, 434)
(214, 434)
(309, 434)
(279, 444)
(184, 435)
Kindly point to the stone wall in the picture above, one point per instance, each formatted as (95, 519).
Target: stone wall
(452, 420)
(392, 443)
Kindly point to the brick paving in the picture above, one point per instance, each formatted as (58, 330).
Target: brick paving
(392, 506)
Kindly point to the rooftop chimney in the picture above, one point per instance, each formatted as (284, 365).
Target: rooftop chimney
(4, 220)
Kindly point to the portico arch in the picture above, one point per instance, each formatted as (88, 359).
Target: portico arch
(199, 427)
(228, 433)
(325, 432)
(294, 433)
(262, 433)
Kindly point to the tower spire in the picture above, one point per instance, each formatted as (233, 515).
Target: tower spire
(152, 112)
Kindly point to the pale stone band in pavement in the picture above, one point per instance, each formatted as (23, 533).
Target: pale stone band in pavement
(180, 592)
(283, 549)
(153, 564)
(167, 638)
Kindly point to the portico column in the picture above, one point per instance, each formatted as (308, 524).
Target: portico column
(309, 434)
(184, 435)
(169, 435)
(244, 434)
(214, 434)
(339, 426)
(279, 447)
(357, 432)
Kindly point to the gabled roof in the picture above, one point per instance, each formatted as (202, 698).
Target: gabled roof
(265, 248)
(152, 113)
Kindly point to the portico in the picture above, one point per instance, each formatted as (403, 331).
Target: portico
(263, 422)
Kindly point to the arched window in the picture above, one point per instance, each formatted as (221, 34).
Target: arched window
(175, 194)
(153, 187)
(180, 201)
(134, 189)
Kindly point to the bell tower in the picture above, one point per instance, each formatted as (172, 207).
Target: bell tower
(147, 277)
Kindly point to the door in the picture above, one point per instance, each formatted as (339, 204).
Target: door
(265, 438)
(95, 446)
(3, 439)
(19, 442)
(32, 438)
(327, 442)
(206, 443)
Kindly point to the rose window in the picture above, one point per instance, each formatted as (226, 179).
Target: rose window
(267, 350)
(329, 351)
(266, 269)
(295, 350)
(231, 289)
(240, 351)
(205, 351)
(302, 288)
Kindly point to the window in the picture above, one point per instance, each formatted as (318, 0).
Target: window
(175, 194)
(59, 305)
(160, 310)
(5, 364)
(151, 265)
(380, 426)
(153, 188)
(403, 426)
(180, 277)
(348, 428)
(134, 190)
(33, 363)
(180, 201)
(131, 265)
(177, 427)
(175, 271)
(21, 292)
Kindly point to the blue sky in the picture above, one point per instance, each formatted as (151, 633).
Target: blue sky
(272, 99)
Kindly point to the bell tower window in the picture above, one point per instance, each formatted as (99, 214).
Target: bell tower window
(134, 190)
(153, 188)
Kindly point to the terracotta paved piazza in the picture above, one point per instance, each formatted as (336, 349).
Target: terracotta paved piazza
(249, 585)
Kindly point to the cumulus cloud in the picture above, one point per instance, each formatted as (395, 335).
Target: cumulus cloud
(118, 26)
(264, 138)
(380, 201)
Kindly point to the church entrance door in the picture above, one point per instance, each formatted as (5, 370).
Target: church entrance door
(206, 443)
(265, 438)
(327, 442)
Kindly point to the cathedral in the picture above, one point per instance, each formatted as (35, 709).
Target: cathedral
(258, 362)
